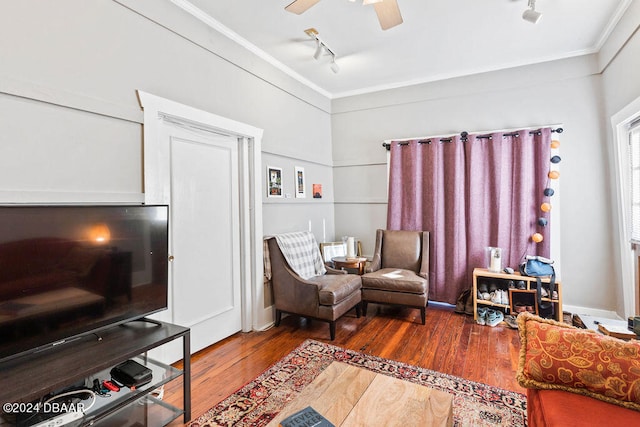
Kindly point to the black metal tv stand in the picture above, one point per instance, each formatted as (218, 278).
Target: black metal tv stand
(31, 377)
(146, 320)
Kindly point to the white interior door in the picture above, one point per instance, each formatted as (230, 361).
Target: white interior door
(181, 142)
(204, 233)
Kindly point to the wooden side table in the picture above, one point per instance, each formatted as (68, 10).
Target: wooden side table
(341, 262)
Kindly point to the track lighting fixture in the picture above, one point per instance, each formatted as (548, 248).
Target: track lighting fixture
(531, 15)
(322, 49)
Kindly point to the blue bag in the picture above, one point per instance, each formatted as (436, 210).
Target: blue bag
(537, 266)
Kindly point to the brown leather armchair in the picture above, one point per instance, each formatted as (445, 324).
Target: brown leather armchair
(399, 271)
(325, 297)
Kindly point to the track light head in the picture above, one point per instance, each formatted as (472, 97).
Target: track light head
(531, 15)
(334, 65)
(319, 49)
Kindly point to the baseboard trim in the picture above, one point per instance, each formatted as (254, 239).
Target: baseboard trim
(595, 312)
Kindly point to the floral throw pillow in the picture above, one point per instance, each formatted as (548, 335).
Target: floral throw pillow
(555, 355)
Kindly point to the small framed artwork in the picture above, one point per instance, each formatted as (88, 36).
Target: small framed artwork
(523, 300)
(317, 191)
(274, 181)
(300, 193)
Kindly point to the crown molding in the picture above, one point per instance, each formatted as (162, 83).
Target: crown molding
(232, 35)
(227, 32)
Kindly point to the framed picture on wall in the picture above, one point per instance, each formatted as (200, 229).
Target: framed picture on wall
(300, 192)
(317, 191)
(274, 181)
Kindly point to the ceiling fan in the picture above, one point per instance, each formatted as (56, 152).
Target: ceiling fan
(387, 10)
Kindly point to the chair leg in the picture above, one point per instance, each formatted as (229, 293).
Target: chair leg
(332, 330)
(423, 315)
(358, 310)
(364, 308)
(278, 317)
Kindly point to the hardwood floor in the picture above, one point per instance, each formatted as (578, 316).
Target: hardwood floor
(450, 343)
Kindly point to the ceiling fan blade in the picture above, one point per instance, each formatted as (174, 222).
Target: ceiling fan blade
(300, 6)
(388, 13)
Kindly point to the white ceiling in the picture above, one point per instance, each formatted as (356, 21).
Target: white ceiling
(439, 39)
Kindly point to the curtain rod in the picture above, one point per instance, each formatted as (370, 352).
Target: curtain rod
(484, 135)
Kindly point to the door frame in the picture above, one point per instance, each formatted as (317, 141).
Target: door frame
(157, 110)
(621, 184)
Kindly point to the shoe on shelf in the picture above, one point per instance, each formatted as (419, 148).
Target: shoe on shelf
(544, 293)
(482, 316)
(510, 320)
(554, 295)
(511, 284)
(486, 296)
(521, 284)
(520, 308)
(482, 287)
(496, 297)
(530, 309)
(504, 297)
(493, 287)
(494, 317)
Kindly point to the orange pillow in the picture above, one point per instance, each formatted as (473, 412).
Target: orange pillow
(555, 355)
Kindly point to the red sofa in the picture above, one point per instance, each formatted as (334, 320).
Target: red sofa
(577, 377)
(562, 408)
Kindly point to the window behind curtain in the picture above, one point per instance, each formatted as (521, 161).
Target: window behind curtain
(634, 150)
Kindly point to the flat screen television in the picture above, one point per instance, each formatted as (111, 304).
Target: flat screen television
(67, 271)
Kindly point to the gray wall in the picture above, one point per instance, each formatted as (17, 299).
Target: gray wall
(566, 92)
(621, 86)
(71, 122)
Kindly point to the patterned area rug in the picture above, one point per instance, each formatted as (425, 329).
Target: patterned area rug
(258, 402)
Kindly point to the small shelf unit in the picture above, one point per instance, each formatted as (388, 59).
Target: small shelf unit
(502, 282)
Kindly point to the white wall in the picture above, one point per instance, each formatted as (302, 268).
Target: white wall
(566, 92)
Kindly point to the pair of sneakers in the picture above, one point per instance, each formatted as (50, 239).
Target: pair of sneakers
(489, 317)
(500, 296)
(544, 293)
